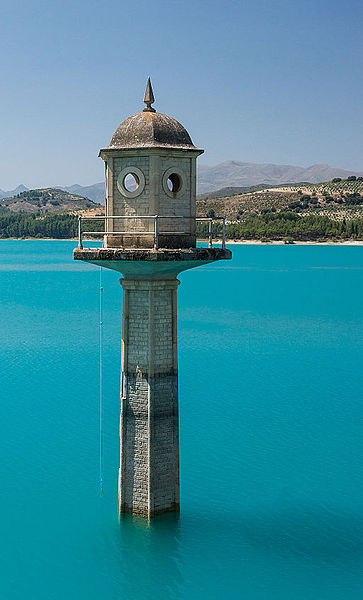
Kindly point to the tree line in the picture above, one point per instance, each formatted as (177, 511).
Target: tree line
(20, 225)
(289, 225)
(60, 226)
(265, 226)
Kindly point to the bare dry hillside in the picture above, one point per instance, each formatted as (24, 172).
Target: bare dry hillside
(338, 200)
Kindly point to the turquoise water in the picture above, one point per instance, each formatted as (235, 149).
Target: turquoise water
(270, 357)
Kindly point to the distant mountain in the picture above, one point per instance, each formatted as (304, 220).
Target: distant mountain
(233, 173)
(18, 190)
(95, 192)
(237, 174)
(48, 200)
(229, 174)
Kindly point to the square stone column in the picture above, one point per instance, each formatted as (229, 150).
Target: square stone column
(149, 428)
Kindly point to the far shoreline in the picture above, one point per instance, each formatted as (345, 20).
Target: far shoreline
(215, 242)
(293, 243)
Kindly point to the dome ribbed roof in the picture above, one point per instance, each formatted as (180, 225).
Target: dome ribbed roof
(151, 130)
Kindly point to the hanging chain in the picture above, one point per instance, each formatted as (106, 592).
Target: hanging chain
(101, 381)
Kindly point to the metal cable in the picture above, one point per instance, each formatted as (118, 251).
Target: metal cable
(101, 381)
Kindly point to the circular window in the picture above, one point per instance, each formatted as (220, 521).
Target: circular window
(173, 181)
(131, 182)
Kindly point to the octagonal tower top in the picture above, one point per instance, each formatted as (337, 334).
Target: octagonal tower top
(150, 173)
(150, 200)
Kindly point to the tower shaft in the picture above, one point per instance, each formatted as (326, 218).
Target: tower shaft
(149, 437)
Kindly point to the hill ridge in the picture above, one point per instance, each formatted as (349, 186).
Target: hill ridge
(47, 200)
(232, 173)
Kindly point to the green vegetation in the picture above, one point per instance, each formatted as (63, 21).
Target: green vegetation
(60, 226)
(306, 201)
(269, 226)
(19, 225)
(335, 186)
(289, 226)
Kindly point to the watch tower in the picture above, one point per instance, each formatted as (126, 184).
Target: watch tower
(150, 237)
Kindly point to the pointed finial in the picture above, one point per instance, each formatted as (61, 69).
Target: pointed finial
(149, 97)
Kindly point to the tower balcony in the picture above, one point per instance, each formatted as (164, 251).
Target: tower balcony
(150, 232)
(145, 247)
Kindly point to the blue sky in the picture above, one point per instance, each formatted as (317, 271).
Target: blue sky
(252, 80)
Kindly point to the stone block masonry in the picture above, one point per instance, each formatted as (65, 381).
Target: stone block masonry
(154, 198)
(149, 428)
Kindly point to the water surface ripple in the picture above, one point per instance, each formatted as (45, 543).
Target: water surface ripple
(270, 358)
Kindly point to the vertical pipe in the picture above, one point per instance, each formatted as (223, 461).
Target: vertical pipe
(101, 381)
(224, 234)
(150, 402)
(123, 397)
(156, 233)
(110, 194)
(154, 162)
(80, 245)
(210, 234)
(175, 368)
(193, 166)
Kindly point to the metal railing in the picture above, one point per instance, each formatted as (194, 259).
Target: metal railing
(155, 232)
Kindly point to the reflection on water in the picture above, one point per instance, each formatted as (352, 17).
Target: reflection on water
(150, 557)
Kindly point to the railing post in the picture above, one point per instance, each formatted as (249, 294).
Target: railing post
(105, 228)
(156, 233)
(210, 234)
(80, 245)
(224, 234)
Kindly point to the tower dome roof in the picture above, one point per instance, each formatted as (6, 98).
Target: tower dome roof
(149, 129)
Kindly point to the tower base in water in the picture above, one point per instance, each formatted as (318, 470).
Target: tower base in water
(149, 449)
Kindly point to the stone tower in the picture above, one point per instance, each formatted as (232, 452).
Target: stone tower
(150, 237)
